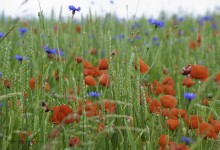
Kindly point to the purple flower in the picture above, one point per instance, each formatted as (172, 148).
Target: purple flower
(207, 18)
(157, 23)
(20, 58)
(22, 31)
(135, 26)
(214, 26)
(61, 53)
(154, 38)
(94, 94)
(185, 139)
(138, 37)
(1, 104)
(53, 51)
(2, 34)
(119, 36)
(181, 19)
(73, 8)
(180, 32)
(0, 74)
(189, 96)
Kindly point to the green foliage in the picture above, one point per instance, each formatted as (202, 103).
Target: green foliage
(131, 126)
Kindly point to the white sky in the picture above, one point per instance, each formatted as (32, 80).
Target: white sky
(149, 8)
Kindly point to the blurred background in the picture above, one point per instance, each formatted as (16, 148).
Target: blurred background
(122, 8)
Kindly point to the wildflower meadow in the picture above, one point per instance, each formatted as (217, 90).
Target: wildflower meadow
(106, 83)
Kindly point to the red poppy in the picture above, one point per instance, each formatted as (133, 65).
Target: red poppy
(168, 81)
(164, 140)
(103, 64)
(109, 106)
(175, 146)
(159, 89)
(165, 112)
(148, 99)
(87, 72)
(95, 72)
(199, 72)
(87, 65)
(143, 67)
(176, 113)
(74, 141)
(205, 102)
(90, 81)
(168, 101)
(206, 130)
(192, 44)
(172, 124)
(165, 71)
(79, 59)
(104, 80)
(25, 94)
(47, 87)
(101, 126)
(169, 90)
(56, 75)
(93, 51)
(188, 82)
(25, 23)
(32, 83)
(78, 29)
(64, 114)
(217, 78)
(199, 39)
(92, 109)
(154, 106)
(7, 83)
(193, 121)
(211, 118)
(24, 135)
(216, 125)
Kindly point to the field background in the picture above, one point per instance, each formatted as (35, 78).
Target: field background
(121, 116)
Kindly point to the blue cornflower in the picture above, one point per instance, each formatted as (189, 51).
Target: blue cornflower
(56, 52)
(181, 19)
(157, 23)
(47, 49)
(135, 26)
(121, 36)
(1, 104)
(61, 53)
(73, 8)
(52, 51)
(185, 139)
(138, 37)
(207, 18)
(200, 21)
(214, 26)
(44, 36)
(0, 74)
(2, 34)
(189, 96)
(154, 38)
(180, 32)
(94, 94)
(23, 31)
(20, 58)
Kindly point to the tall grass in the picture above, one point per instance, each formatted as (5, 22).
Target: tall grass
(131, 126)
